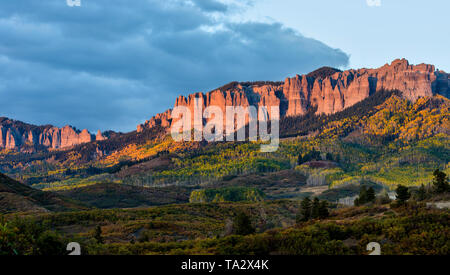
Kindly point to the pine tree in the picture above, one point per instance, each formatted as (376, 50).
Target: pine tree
(316, 155)
(242, 225)
(370, 195)
(305, 210)
(98, 234)
(402, 194)
(323, 210)
(363, 195)
(362, 199)
(440, 182)
(315, 208)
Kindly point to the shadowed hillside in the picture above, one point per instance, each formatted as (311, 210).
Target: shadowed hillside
(17, 197)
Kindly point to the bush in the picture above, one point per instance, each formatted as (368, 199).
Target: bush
(242, 225)
(50, 244)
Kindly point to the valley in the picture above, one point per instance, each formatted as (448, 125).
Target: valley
(143, 193)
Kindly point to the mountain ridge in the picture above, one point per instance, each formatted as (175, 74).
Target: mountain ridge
(327, 89)
(17, 135)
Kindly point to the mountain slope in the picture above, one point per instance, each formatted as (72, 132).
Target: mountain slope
(383, 136)
(17, 197)
(112, 195)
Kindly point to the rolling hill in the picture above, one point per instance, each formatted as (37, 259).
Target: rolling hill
(17, 197)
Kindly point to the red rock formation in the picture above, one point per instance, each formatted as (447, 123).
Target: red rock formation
(163, 119)
(20, 136)
(328, 90)
(100, 136)
(333, 92)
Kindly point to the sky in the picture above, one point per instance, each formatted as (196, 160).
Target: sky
(112, 64)
(372, 32)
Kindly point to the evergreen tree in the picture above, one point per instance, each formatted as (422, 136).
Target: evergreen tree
(370, 195)
(242, 225)
(315, 208)
(362, 199)
(323, 210)
(316, 155)
(98, 234)
(421, 193)
(363, 194)
(329, 157)
(305, 210)
(50, 244)
(440, 182)
(402, 194)
(313, 155)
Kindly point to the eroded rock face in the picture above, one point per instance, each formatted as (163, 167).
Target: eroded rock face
(100, 136)
(328, 91)
(332, 93)
(17, 135)
(162, 119)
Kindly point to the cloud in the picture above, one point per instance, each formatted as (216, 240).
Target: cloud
(111, 64)
(373, 3)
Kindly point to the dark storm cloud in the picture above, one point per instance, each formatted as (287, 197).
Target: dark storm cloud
(113, 64)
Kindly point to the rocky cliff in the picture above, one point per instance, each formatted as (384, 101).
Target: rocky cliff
(327, 90)
(25, 137)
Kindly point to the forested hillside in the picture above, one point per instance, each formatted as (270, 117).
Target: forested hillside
(385, 139)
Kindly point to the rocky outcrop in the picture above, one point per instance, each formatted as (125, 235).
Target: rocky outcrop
(327, 90)
(344, 89)
(100, 136)
(17, 135)
(163, 119)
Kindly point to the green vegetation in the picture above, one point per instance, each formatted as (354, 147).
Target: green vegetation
(242, 225)
(315, 209)
(98, 234)
(440, 182)
(23, 237)
(17, 197)
(403, 194)
(305, 210)
(365, 196)
(202, 229)
(112, 195)
(230, 194)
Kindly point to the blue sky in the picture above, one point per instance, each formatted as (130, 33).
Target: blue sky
(372, 35)
(111, 64)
